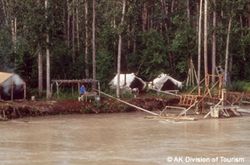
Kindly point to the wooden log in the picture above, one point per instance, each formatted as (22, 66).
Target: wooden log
(172, 118)
(12, 91)
(167, 92)
(134, 106)
(24, 91)
(243, 110)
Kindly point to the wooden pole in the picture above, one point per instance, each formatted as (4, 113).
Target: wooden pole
(226, 78)
(165, 92)
(24, 91)
(199, 46)
(205, 39)
(139, 108)
(78, 85)
(57, 89)
(1, 92)
(12, 90)
(99, 88)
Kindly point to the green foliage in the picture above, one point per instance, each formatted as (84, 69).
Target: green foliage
(105, 62)
(6, 55)
(66, 94)
(241, 86)
(165, 45)
(153, 54)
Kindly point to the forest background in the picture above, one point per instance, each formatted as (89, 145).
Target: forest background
(74, 39)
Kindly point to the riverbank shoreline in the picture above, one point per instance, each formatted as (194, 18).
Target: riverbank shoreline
(19, 109)
(10, 110)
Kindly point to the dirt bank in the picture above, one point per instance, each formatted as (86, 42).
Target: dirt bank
(19, 109)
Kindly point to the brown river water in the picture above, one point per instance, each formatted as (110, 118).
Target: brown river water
(123, 139)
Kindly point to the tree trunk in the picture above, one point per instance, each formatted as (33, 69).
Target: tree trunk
(144, 17)
(13, 32)
(48, 94)
(40, 66)
(119, 51)
(73, 32)
(5, 12)
(188, 11)
(227, 50)
(165, 13)
(68, 24)
(77, 26)
(40, 73)
(172, 6)
(248, 17)
(214, 43)
(86, 40)
(134, 39)
(199, 43)
(93, 42)
(205, 39)
(65, 12)
(242, 35)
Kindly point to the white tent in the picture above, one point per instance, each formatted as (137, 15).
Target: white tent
(128, 81)
(165, 82)
(10, 82)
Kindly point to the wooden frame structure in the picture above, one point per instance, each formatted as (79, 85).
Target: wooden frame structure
(210, 91)
(205, 92)
(58, 83)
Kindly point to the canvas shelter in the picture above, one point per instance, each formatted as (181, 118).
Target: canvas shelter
(128, 81)
(11, 85)
(164, 82)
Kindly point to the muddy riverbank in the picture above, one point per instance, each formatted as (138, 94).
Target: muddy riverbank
(122, 139)
(20, 109)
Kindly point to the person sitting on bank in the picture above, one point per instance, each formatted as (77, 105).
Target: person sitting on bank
(82, 92)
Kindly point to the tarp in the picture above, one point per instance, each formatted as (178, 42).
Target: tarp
(129, 81)
(7, 79)
(165, 82)
(4, 76)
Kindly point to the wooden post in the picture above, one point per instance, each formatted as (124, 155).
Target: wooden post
(24, 91)
(1, 92)
(221, 81)
(51, 90)
(223, 96)
(78, 86)
(12, 91)
(57, 89)
(99, 88)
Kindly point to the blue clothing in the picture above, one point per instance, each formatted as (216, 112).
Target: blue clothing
(82, 90)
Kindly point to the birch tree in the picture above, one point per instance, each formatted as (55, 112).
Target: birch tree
(93, 41)
(227, 50)
(214, 42)
(120, 50)
(73, 32)
(86, 39)
(48, 92)
(205, 38)
(199, 42)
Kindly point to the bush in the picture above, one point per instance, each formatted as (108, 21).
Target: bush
(240, 86)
